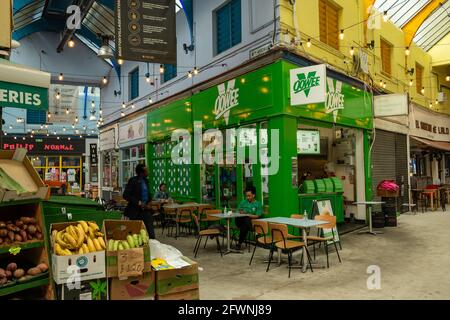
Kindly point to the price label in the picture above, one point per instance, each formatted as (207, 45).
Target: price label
(14, 250)
(130, 263)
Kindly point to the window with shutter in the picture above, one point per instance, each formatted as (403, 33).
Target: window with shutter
(170, 72)
(386, 56)
(329, 23)
(419, 76)
(133, 78)
(36, 116)
(228, 26)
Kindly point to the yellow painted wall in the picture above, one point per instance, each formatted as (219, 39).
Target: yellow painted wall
(351, 14)
(441, 52)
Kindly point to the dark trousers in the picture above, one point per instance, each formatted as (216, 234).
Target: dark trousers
(245, 225)
(147, 217)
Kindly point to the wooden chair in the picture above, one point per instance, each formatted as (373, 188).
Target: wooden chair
(170, 216)
(262, 237)
(157, 217)
(321, 237)
(297, 216)
(280, 240)
(214, 233)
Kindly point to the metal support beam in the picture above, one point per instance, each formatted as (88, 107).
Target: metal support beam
(85, 6)
(411, 27)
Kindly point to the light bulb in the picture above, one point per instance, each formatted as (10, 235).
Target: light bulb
(76, 119)
(423, 90)
(73, 126)
(308, 44)
(67, 111)
(147, 78)
(189, 74)
(10, 127)
(61, 77)
(100, 111)
(120, 61)
(150, 100)
(23, 138)
(64, 129)
(161, 69)
(49, 115)
(15, 138)
(57, 137)
(48, 134)
(352, 51)
(54, 133)
(123, 105)
(341, 35)
(447, 78)
(68, 138)
(93, 104)
(58, 95)
(46, 126)
(384, 85)
(105, 80)
(42, 127)
(122, 114)
(31, 136)
(195, 71)
(407, 52)
(436, 102)
(385, 16)
(132, 106)
(71, 43)
(381, 83)
(411, 83)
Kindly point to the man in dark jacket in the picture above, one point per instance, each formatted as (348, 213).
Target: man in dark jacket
(138, 196)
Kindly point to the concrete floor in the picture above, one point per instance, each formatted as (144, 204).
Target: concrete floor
(413, 260)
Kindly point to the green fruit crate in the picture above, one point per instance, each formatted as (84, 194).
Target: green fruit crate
(308, 186)
(319, 185)
(329, 187)
(337, 183)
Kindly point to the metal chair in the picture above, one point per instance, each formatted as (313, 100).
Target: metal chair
(213, 233)
(262, 237)
(321, 237)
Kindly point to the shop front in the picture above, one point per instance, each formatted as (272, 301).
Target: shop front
(244, 131)
(57, 161)
(390, 150)
(132, 140)
(108, 163)
(430, 147)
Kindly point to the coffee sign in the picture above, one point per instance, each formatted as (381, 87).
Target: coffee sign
(308, 85)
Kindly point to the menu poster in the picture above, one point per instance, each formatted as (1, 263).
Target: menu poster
(146, 31)
(324, 207)
(308, 142)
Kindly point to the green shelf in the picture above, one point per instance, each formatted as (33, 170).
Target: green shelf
(19, 202)
(24, 286)
(23, 246)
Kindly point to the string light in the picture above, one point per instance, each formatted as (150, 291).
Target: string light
(58, 95)
(341, 35)
(411, 82)
(23, 138)
(308, 44)
(100, 111)
(161, 68)
(147, 78)
(423, 90)
(46, 126)
(71, 43)
(31, 136)
(381, 83)
(54, 133)
(57, 137)
(436, 102)
(105, 80)
(49, 115)
(407, 52)
(122, 114)
(48, 134)
(67, 111)
(132, 106)
(189, 74)
(93, 104)
(195, 71)
(150, 100)
(73, 126)
(61, 77)
(10, 127)
(120, 61)
(124, 105)
(384, 85)
(447, 78)
(64, 129)
(76, 119)
(42, 127)
(68, 138)
(352, 51)
(385, 16)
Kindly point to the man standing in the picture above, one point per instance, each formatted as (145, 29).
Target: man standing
(138, 196)
(248, 206)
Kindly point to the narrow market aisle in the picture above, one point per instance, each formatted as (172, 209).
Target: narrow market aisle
(412, 258)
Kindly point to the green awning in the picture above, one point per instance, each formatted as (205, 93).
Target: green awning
(23, 87)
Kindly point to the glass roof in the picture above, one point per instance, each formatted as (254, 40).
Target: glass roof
(434, 28)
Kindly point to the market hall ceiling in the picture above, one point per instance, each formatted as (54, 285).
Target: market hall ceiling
(32, 16)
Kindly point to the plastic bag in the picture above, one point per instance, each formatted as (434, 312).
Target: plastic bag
(159, 250)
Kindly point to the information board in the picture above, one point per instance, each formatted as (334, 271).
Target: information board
(324, 207)
(308, 142)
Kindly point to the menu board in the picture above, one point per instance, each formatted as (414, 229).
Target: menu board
(308, 142)
(146, 31)
(324, 207)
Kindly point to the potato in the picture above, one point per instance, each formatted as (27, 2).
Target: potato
(25, 220)
(18, 238)
(38, 229)
(3, 281)
(12, 267)
(19, 273)
(6, 241)
(8, 274)
(11, 236)
(2, 224)
(30, 237)
(10, 227)
(39, 235)
(31, 229)
(24, 278)
(23, 234)
(3, 233)
(43, 267)
(24, 227)
(2, 273)
(32, 220)
(1, 241)
(34, 271)
(19, 223)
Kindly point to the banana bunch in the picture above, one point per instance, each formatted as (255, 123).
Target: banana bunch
(83, 238)
(132, 241)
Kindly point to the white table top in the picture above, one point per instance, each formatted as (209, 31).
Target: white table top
(369, 202)
(229, 216)
(302, 223)
(184, 205)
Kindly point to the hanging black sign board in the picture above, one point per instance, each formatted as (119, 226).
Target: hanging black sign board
(146, 31)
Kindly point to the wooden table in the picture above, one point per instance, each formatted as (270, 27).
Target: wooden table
(431, 193)
(179, 207)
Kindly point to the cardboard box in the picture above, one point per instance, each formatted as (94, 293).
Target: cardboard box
(96, 289)
(185, 295)
(119, 230)
(89, 266)
(177, 280)
(16, 165)
(133, 288)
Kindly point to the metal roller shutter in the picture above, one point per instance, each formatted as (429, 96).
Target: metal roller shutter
(383, 161)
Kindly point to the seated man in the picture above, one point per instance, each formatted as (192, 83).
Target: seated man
(162, 195)
(248, 206)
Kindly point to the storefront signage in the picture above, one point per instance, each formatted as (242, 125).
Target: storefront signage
(133, 132)
(93, 153)
(308, 85)
(107, 140)
(387, 105)
(146, 30)
(227, 99)
(21, 96)
(335, 98)
(45, 146)
(428, 124)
